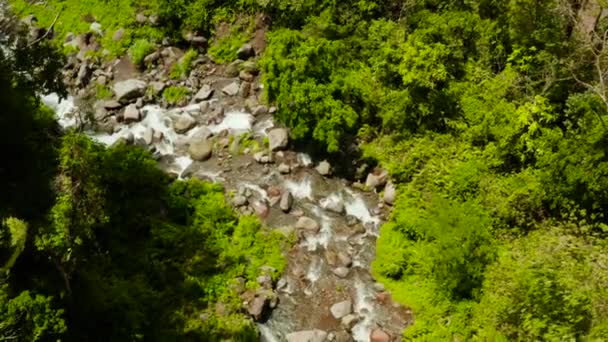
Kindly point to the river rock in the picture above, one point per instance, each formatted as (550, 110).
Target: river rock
(200, 150)
(257, 306)
(131, 114)
(333, 203)
(345, 259)
(284, 168)
(278, 139)
(261, 209)
(148, 135)
(261, 158)
(286, 201)
(184, 123)
(308, 224)
(245, 76)
(307, 336)
(157, 87)
(378, 335)
(324, 168)
(111, 105)
(260, 110)
(349, 321)
(390, 193)
(152, 58)
(118, 34)
(341, 309)
(232, 89)
(245, 52)
(129, 89)
(341, 272)
(376, 179)
(239, 201)
(204, 93)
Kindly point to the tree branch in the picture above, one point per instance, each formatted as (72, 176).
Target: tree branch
(47, 31)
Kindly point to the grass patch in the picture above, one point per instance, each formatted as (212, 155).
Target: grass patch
(139, 50)
(183, 67)
(103, 92)
(175, 95)
(224, 50)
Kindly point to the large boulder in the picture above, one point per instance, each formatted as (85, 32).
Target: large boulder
(308, 224)
(257, 307)
(278, 139)
(200, 150)
(341, 309)
(307, 336)
(184, 123)
(129, 89)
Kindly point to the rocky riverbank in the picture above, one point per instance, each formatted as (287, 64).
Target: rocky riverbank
(221, 131)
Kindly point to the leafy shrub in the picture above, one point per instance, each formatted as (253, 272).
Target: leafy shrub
(549, 286)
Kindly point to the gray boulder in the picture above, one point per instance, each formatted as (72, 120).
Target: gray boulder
(286, 201)
(278, 139)
(284, 168)
(232, 89)
(200, 150)
(341, 309)
(129, 89)
(184, 123)
(333, 203)
(131, 114)
(204, 93)
(307, 336)
(349, 321)
(308, 224)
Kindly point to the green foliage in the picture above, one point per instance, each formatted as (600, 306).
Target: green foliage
(13, 240)
(139, 50)
(29, 317)
(103, 92)
(224, 50)
(547, 287)
(175, 95)
(182, 68)
(111, 14)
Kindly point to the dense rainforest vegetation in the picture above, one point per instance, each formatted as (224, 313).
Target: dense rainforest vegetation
(489, 115)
